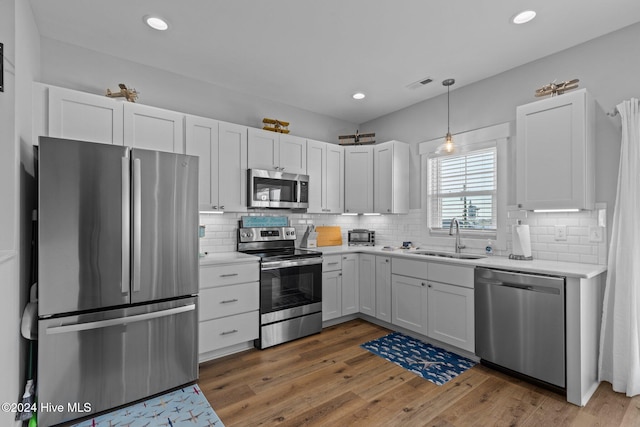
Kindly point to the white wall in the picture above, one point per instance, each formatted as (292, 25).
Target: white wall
(27, 70)
(21, 39)
(9, 325)
(89, 71)
(7, 128)
(607, 66)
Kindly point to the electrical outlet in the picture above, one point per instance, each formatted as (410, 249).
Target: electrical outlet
(561, 232)
(596, 234)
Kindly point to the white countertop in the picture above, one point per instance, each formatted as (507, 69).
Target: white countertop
(227, 258)
(569, 269)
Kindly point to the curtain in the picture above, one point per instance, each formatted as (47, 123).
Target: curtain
(619, 361)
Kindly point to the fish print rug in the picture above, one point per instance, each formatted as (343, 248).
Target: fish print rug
(183, 407)
(430, 362)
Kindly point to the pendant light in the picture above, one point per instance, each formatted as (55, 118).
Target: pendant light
(448, 141)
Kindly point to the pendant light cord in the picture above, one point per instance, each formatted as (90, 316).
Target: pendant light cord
(448, 111)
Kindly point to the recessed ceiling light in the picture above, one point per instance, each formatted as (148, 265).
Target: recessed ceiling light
(156, 23)
(358, 95)
(524, 17)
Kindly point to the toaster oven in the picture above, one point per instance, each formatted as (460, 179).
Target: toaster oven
(361, 237)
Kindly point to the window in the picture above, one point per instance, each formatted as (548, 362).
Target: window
(463, 186)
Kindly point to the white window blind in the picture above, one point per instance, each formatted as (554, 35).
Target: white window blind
(464, 187)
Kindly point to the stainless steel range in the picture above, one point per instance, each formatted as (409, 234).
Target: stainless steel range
(290, 284)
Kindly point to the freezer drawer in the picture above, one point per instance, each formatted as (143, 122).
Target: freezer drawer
(115, 357)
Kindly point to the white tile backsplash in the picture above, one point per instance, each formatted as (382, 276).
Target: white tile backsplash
(392, 230)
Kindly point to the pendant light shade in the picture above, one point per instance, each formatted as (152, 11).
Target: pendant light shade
(448, 146)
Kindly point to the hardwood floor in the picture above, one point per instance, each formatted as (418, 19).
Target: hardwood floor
(329, 380)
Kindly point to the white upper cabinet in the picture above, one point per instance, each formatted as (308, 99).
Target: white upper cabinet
(555, 161)
(325, 167)
(391, 177)
(276, 151)
(222, 148)
(201, 139)
(66, 113)
(334, 202)
(153, 128)
(78, 115)
(232, 168)
(358, 171)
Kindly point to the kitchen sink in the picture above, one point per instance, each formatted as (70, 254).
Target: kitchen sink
(449, 255)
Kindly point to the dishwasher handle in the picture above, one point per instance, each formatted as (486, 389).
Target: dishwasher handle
(524, 281)
(531, 288)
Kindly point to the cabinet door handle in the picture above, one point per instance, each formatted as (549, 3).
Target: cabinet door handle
(215, 207)
(221, 208)
(227, 301)
(388, 210)
(344, 258)
(233, 331)
(429, 286)
(422, 283)
(332, 263)
(386, 260)
(229, 275)
(340, 274)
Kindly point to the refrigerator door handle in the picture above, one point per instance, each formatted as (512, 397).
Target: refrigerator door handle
(75, 327)
(126, 226)
(137, 223)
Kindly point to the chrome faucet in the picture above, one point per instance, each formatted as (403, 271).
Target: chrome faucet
(458, 245)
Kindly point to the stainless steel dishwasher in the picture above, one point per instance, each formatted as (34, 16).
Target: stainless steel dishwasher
(520, 323)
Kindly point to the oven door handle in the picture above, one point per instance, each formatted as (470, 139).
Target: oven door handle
(272, 265)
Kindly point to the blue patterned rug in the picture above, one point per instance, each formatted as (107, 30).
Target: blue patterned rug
(431, 363)
(182, 407)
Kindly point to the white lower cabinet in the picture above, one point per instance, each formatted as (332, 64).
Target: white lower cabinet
(227, 331)
(339, 286)
(409, 303)
(383, 288)
(367, 284)
(450, 315)
(433, 299)
(450, 305)
(331, 295)
(229, 303)
(350, 291)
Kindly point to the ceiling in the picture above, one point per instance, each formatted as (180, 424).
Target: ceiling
(315, 54)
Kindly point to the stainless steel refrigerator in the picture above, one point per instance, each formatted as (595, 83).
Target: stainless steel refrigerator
(117, 276)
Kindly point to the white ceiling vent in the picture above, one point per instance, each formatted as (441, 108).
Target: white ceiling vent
(420, 83)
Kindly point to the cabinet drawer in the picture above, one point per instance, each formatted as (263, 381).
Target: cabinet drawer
(224, 301)
(453, 274)
(228, 331)
(331, 262)
(407, 267)
(227, 274)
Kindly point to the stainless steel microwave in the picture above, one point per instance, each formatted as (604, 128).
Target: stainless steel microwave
(275, 189)
(361, 237)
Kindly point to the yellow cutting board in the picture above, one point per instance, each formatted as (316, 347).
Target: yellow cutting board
(329, 235)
